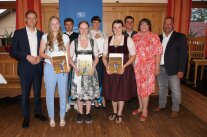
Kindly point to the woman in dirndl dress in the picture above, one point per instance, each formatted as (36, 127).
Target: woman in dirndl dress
(84, 88)
(119, 88)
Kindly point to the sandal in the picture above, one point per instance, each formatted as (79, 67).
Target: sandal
(113, 116)
(52, 123)
(62, 122)
(142, 118)
(119, 119)
(136, 112)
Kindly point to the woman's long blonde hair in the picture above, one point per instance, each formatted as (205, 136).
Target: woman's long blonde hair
(50, 37)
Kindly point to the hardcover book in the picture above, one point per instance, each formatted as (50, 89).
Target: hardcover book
(60, 64)
(115, 63)
(84, 64)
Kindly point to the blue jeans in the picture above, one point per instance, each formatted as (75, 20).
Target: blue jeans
(164, 82)
(51, 80)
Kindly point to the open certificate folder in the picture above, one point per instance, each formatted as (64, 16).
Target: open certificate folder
(115, 62)
(84, 64)
(60, 64)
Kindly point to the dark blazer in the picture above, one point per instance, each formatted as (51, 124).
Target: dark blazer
(126, 34)
(73, 36)
(20, 49)
(175, 57)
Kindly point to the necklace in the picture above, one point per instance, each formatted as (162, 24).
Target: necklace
(117, 41)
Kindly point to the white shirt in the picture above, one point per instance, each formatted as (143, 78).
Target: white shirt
(32, 37)
(72, 48)
(164, 45)
(129, 33)
(130, 45)
(56, 51)
(100, 41)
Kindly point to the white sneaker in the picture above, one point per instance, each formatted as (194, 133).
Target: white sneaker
(76, 106)
(67, 107)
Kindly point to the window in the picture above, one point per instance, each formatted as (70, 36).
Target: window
(198, 22)
(7, 19)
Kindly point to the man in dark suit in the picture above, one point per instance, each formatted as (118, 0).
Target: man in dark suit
(69, 24)
(172, 65)
(129, 24)
(25, 48)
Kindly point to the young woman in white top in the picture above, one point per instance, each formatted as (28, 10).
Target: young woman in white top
(54, 43)
(121, 87)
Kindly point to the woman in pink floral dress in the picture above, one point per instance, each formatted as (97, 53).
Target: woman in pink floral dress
(146, 65)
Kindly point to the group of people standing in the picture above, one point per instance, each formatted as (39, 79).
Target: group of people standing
(145, 57)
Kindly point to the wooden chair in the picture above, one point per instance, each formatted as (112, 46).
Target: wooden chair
(196, 56)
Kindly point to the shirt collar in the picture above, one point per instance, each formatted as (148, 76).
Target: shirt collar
(129, 33)
(29, 32)
(168, 35)
(69, 33)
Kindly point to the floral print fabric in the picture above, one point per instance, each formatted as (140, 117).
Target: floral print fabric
(147, 45)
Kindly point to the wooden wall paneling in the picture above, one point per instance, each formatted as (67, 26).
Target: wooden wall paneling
(110, 14)
(48, 10)
(155, 12)
(7, 4)
(112, 11)
(156, 16)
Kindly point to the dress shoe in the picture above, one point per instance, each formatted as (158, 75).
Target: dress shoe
(174, 114)
(25, 123)
(41, 117)
(156, 109)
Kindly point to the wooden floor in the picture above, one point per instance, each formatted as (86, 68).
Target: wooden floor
(158, 124)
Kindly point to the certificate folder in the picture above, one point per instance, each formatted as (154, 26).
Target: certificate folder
(60, 64)
(84, 64)
(115, 62)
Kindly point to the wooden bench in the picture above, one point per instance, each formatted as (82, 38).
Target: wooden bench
(8, 68)
(12, 88)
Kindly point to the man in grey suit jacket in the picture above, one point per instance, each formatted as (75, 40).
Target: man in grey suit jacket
(172, 65)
